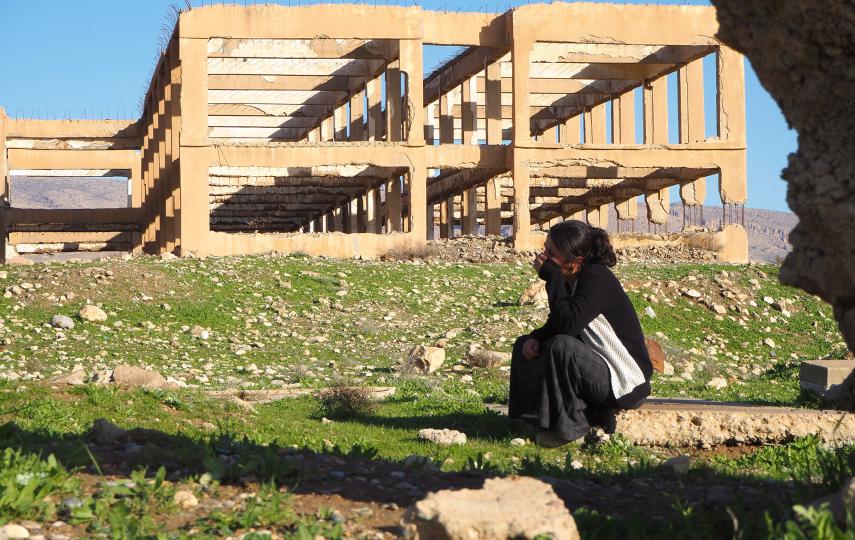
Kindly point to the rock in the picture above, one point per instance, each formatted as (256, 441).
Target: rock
(769, 300)
(534, 294)
(185, 499)
(518, 442)
(656, 354)
(514, 507)
(720, 309)
(442, 437)
(839, 502)
(427, 359)
(167, 256)
(692, 293)
(649, 312)
(102, 377)
(62, 321)
(13, 531)
(717, 383)
(133, 377)
(75, 377)
(769, 342)
(678, 464)
(92, 313)
(576, 465)
(667, 369)
(105, 433)
(487, 359)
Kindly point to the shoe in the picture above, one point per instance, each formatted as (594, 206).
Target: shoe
(549, 439)
(602, 418)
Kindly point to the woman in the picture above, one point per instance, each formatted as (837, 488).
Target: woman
(589, 358)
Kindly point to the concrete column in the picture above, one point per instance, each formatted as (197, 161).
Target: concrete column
(493, 213)
(520, 56)
(357, 108)
(627, 209)
(623, 119)
(658, 206)
(412, 64)
(733, 188)
(429, 221)
(339, 219)
(314, 135)
(372, 206)
(692, 128)
(598, 124)
(656, 132)
(446, 218)
(375, 114)
(431, 126)
(469, 212)
(393, 205)
(493, 103)
(589, 126)
(571, 129)
(551, 135)
(598, 216)
(341, 120)
(325, 223)
(4, 167)
(194, 222)
(469, 111)
(328, 129)
(446, 119)
(579, 215)
(353, 216)
(393, 101)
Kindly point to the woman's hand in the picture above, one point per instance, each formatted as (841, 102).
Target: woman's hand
(538, 261)
(531, 349)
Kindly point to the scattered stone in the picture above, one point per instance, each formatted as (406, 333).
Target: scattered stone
(167, 256)
(534, 294)
(649, 312)
(678, 464)
(62, 321)
(667, 369)
(92, 313)
(185, 499)
(486, 359)
(769, 300)
(442, 437)
(720, 309)
(576, 465)
(769, 342)
(493, 512)
(13, 531)
(427, 359)
(717, 383)
(75, 377)
(692, 293)
(656, 354)
(518, 442)
(133, 377)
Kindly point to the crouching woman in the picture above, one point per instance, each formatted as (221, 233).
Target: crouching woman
(589, 359)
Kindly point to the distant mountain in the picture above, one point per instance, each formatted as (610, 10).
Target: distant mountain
(768, 230)
(79, 192)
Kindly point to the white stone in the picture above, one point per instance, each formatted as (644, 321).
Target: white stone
(13, 531)
(649, 312)
(427, 359)
(769, 342)
(717, 383)
(692, 293)
(442, 437)
(518, 442)
(185, 499)
(514, 507)
(62, 321)
(92, 313)
(678, 464)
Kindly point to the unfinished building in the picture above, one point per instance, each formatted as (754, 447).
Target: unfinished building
(312, 129)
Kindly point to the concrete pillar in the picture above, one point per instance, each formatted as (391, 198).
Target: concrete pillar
(393, 205)
(598, 216)
(520, 56)
(357, 109)
(431, 126)
(446, 218)
(493, 207)
(446, 119)
(733, 188)
(551, 135)
(656, 132)
(493, 103)
(627, 209)
(658, 206)
(429, 221)
(393, 101)
(339, 219)
(4, 167)
(589, 126)
(328, 129)
(194, 222)
(353, 216)
(469, 111)
(571, 130)
(372, 218)
(313, 135)
(375, 114)
(341, 120)
(623, 119)
(692, 128)
(598, 124)
(469, 212)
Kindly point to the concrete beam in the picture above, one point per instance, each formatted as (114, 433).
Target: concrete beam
(72, 129)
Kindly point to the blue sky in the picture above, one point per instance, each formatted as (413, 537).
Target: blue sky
(92, 58)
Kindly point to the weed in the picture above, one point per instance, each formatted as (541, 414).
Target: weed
(342, 402)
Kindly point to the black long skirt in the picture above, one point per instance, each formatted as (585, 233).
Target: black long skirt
(564, 388)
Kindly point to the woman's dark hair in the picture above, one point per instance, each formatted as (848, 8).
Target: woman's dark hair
(578, 239)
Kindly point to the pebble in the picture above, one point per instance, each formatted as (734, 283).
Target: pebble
(649, 312)
(769, 342)
(185, 499)
(576, 465)
(13, 531)
(518, 442)
(692, 293)
(717, 383)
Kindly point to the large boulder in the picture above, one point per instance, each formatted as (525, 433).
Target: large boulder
(514, 507)
(427, 359)
(92, 313)
(133, 377)
(534, 294)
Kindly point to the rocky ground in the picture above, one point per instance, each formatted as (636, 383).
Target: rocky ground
(186, 361)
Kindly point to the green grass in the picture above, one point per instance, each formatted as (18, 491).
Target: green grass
(287, 316)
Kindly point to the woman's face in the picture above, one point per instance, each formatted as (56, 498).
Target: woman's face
(569, 267)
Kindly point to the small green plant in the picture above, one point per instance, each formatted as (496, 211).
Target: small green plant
(28, 485)
(343, 402)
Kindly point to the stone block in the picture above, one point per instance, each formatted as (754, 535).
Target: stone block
(823, 376)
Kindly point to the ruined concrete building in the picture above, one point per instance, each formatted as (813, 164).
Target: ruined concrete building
(312, 129)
